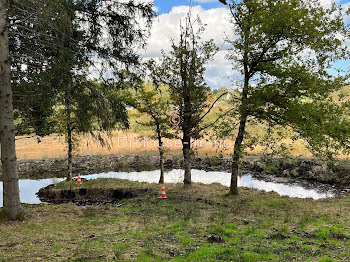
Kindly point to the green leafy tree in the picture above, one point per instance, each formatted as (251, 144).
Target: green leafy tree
(183, 72)
(153, 100)
(284, 50)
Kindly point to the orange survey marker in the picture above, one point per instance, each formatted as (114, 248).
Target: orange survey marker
(163, 195)
(79, 179)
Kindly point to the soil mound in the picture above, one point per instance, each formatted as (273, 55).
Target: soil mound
(89, 196)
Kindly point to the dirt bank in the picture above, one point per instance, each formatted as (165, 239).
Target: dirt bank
(89, 196)
(96, 192)
(299, 169)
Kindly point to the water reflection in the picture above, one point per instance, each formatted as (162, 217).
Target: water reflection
(29, 188)
(177, 176)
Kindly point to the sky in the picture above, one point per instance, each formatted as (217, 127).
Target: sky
(216, 17)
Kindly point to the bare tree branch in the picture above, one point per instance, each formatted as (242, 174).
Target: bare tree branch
(211, 107)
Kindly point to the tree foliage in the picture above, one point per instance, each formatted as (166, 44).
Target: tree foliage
(54, 41)
(153, 99)
(183, 71)
(71, 43)
(50, 44)
(284, 50)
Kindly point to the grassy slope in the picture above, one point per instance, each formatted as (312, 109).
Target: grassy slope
(255, 226)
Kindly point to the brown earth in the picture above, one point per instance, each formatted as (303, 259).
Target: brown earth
(89, 196)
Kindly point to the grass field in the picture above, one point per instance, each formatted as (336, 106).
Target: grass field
(138, 140)
(255, 226)
(54, 146)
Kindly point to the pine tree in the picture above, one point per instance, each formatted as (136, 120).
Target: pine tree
(81, 34)
(12, 205)
(40, 35)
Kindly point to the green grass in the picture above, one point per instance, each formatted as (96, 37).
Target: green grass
(98, 183)
(254, 226)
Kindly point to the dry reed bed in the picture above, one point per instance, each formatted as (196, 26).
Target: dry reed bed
(55, 146)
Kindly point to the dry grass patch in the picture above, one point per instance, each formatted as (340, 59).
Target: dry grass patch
(54, 146)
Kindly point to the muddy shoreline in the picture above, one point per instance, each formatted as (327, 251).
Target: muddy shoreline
(89, 196)
(109, 192)
(310, 170)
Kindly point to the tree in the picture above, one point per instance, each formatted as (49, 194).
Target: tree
(112, 30)
(183, 72)
(90, 108)
(12, 204)
(84, 33)
(153, 100)
(34, 39)
(284, 50)
(11, 21)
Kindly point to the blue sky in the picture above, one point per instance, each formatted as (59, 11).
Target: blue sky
(165, 6)
(166, 27)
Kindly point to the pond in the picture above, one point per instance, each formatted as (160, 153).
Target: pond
(29, 188)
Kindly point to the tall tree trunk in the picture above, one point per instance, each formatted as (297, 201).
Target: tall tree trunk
(186, 149)
(69, 139)
(186, 130)
(236, 156)
(161, 165)
(240, 136)
(12, 204)
(186, 115)
(70, 153)
(161, 154)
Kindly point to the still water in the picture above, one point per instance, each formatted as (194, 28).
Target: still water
(29, 188)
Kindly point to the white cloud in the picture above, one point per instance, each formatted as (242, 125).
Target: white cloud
(167, 26)
(345, 7)
(220, 73)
